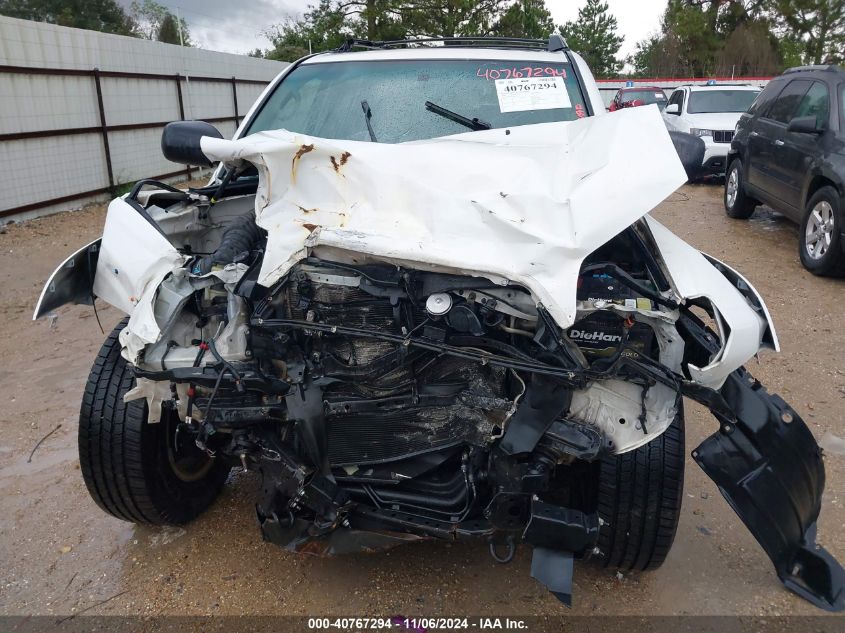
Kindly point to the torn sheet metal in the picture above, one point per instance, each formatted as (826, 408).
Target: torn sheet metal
(134, 259)
(526, 204)
(694, 276)
(157, 392)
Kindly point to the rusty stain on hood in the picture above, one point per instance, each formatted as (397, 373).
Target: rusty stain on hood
(303, 149)
(336, 165)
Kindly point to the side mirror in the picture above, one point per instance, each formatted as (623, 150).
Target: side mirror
(804, 125)
(180, 142)
(672, 108)
(690, 152)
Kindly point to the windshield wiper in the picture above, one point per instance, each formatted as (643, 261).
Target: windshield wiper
(368, 114)
(473, 124)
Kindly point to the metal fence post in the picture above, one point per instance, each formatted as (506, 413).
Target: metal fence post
(104, 129)
(179, 94)
(235, 101)
(182, 112)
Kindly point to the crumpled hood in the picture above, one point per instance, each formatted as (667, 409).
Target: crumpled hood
(526, 204)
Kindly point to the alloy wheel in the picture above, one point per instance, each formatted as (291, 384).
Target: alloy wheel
(819, 232)
(732, 187)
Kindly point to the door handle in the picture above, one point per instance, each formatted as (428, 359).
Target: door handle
(779, 143)
(753, 134)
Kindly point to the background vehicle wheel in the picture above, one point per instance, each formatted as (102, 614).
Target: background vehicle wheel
(639, 500)
(135, 470)
(820, 239)
(737, 203)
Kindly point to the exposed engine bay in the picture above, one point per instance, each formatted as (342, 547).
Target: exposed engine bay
(443, 397)
(429, 404)
(386, 398)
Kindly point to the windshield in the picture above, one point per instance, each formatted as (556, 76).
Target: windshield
(646, 96)
(339, 99)
(721, 101)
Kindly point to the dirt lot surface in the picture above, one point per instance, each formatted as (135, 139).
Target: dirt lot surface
(59, 554)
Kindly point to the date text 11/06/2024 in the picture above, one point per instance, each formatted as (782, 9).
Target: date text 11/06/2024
(417, 624)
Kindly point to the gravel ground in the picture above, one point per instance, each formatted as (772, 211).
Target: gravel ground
(59, 554)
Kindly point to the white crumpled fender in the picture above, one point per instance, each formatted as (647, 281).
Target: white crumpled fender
(526, 204)
(134, 259)
(693, 276)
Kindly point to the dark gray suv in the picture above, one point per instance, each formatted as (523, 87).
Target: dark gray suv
(789, 153)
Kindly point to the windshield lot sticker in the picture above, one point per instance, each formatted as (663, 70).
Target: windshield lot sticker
(519, 73)
(532, 93)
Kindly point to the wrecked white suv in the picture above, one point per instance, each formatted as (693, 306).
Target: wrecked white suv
(423, 297)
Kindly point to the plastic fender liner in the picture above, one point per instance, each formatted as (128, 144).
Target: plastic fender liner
(769, 468)
(71, 282)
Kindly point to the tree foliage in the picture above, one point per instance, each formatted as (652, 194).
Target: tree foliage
(525, 18)
(147, 19)
(594, 36)
(701, 38)
(452, 18)
(817, 27)
(95, 15)
(697, 38)
(168, 31)
(328, 23)
(156, 22)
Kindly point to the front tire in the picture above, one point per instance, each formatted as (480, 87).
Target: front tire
(639, 501)
(820, 237)
(134, 469)
(738, 204)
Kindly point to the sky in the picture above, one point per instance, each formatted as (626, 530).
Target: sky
(235, 26)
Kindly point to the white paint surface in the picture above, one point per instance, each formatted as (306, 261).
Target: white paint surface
(526, 204)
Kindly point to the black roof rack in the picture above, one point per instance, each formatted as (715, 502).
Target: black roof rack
(554, 43)
(816, 67)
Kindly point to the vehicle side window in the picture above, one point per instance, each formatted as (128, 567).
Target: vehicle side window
(787, 101)
(841, 108)
(815, 103)
(765, 98)
(678, 97)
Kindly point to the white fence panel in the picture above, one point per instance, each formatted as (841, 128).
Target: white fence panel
(54, 149)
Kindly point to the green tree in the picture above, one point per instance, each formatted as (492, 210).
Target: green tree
(697, 40)
(525, 18)
(168, 31)
(705, 38)
(329, 23)
(375, 19)
(322, 28)
(452, 18)
(150, 17)
(816, 26)
(593, 36)
(95, 15)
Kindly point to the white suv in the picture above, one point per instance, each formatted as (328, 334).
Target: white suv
(423, 298)
(711, 113)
